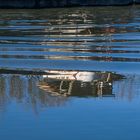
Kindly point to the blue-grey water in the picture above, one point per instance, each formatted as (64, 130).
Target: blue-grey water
(70, 74)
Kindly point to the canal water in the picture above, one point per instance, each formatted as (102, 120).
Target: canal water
(70, 73)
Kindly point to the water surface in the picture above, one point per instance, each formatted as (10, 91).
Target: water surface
(70, 73)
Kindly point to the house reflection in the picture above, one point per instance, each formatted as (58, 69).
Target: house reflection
(79, 83)
(54, 88)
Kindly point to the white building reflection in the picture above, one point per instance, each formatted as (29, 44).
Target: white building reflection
(79, 83)
(55, 87)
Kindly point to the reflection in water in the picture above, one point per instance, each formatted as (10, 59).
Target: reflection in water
(55, 88)
(79, 42)
(23, 89)
(39, 90)
(40, 39)
(79, 83)
(84, 39)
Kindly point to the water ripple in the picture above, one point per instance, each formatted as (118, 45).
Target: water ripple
(77, 39)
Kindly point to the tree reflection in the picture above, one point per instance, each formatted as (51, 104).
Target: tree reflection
(24, 90)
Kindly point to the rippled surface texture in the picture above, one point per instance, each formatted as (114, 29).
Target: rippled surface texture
(70, 73)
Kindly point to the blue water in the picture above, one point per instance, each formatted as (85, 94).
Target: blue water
(70, 73)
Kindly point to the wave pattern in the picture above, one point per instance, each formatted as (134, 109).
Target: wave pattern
(97, 39)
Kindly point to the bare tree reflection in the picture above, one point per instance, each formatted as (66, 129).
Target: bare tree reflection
(128, 88)
(3, 97)
(24, 90)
